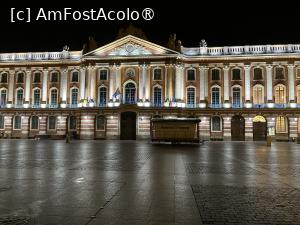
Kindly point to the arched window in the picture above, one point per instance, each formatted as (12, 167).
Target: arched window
(280, 94)
(103, 74)
(51, 122)
(17, 122)
(257, 74)
(37, 77)
(279, 73)
(157, 100)
(3, 98)
(298, 94)
(102, 96)
(191, 74)
(19, 97)
(130, 93)
(157, 74)
(100, 123)
(20, 78)
(72, 123)
(281, 124)
(236, 74)
(215, 97)
(75, 76)
(190, 96)
(36, 97)
(53, 98)
(258, 94)
(34, 125)
(215, 74)
(216, 124)
(54, 77)
(236, 97)
(1, 122)
(4, 78)
(74, 97)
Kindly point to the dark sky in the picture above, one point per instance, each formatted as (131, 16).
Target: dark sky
(218, 22)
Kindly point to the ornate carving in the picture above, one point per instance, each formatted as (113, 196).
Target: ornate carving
(130, 48)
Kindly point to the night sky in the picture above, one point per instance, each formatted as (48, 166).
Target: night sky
(220, 24)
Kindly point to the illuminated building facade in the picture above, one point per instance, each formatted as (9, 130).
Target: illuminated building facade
(239, 92)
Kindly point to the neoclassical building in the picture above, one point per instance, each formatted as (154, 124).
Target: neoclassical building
(239, 92)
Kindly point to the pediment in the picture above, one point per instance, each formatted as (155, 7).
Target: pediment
(130, 46)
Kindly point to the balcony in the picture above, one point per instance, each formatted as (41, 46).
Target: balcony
(37, 105)
(259, 106)
(215, 106)
(236, 105)
(281, 106)
(53, 106)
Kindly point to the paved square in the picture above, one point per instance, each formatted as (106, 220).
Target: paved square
(135, 182)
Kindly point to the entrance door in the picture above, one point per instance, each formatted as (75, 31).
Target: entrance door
(237, 128)
(128, 126)
(259, 128)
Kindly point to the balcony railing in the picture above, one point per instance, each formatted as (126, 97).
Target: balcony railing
(259, 106)
(237, 105)
(53, 106)
(281, 106)
(36, 105)
(215, 106)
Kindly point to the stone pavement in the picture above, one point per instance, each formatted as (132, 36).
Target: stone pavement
(135, 182)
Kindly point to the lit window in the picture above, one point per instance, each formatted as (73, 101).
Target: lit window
(100, 123)
(157, 74)
(34, 123)
(75, 77)
(258, 94)
(36, 97)
(257, 74)
(236, 74)
(130, 93)
(53, 97)
(191, 74)
(17, 122)
(216, 123)
(279, 73)
(215, 74)
(280, 97)
(281, 125)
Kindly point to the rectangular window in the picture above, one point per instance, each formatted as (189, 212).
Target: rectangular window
(100, 123)
(157, 74)
(17, 122)
(215, 74)
(54, 77)
(1, 122)
(34, 123)
(279, 73)
(52, 122)
(75, 76)
(103, 74)
(37, 78)
(191, 74)
(236, 74)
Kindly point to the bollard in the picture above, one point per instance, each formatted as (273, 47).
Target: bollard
(269, 140)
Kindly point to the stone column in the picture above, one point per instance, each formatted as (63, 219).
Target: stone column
(141, 82)
(226, 84)
(166, 82)
(118, 78)
(27, 88)
(11, 88)
(291, 78)
(206, 83)
(112, 79)
(247, 83)
(269, 84)
(44, 88)
(92, 76)
(64, 87)
(147, 76)
(179, 82)
(202, 84)
(170, 82)
(82, 82)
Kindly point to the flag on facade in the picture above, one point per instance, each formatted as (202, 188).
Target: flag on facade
(117, 93)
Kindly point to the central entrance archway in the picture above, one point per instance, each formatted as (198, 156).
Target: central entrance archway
(237, 128)
(259, 128)
(128, 126)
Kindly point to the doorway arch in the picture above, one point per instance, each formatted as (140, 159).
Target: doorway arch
(237, 128)
(128, 126)
(259, 128)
